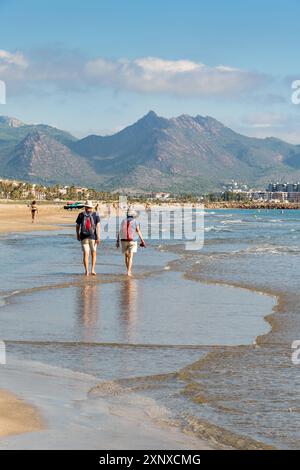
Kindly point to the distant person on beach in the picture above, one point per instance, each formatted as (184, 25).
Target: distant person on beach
(97, 210)
(88, 233)
(127, 234)
(34, 211)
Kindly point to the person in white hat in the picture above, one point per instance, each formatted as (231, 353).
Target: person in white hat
(88, 233)
(128, 231)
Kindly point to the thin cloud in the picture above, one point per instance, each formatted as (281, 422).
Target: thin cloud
(266, 124)
(72, 71)
(265, 119)
(177, 77)
(11, 61)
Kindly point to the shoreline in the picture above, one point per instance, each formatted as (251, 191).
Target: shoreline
(145, 431)
(116, 423)
(16, 216)
(200, 427)
(208, 435)
(251, 205)
(285, 303)
(193, 425)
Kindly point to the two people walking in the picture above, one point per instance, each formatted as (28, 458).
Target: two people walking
(88, 233)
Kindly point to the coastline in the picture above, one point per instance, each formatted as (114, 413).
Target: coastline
(16, 216)
(225, 438)
(196, 428)
(251, 205)
(267, 348)
(17, 416)
(117, 422)
(120, 413)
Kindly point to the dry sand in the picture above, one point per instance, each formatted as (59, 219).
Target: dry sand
(16, 416)
(17, 217)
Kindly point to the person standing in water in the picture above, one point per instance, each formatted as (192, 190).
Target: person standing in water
(88, 233)
(34, 211)
(128, 231)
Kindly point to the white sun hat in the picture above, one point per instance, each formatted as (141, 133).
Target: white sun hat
(132, 213)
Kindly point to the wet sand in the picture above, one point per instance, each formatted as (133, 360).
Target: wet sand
(76, 420)
(115, 425)
(114, 415)
(17, 416)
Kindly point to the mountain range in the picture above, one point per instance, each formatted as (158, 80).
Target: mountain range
(180, 154)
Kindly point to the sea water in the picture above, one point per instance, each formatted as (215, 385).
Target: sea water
(187, 332)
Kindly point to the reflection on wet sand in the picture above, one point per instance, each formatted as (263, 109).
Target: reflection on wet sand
(123, 307)
(88, 311)
(128, 308)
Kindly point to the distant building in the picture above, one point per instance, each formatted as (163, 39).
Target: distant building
(162, 195)
(235, 186)
(279, 196)
(283, 187)
(294, 196)
(259, 195)
(284, 191)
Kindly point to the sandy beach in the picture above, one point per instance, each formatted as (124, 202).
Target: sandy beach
(68, 337)
(19, 417)
(16, 416)
(116, 423)
(17, 217)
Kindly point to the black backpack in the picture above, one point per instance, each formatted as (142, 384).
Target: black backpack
(88, 226)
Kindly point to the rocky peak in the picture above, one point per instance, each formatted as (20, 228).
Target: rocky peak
(7, 121)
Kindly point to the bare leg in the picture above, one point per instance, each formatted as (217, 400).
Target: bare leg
(129, 266)
(86, 262)
(94, 258)
(126, 260)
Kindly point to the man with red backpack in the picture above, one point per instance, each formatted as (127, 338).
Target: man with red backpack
(88, 233)
(128, 231)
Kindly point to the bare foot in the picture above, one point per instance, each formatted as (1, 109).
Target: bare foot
(86, 274)
(129, 274)
(93, 273)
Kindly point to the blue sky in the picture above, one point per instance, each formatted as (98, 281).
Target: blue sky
(99, 65)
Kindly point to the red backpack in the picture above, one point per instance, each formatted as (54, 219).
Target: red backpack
(88, 224)
(127, 231)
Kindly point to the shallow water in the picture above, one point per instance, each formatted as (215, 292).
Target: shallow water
(252, 391)
(161, 309)
(167, 319)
